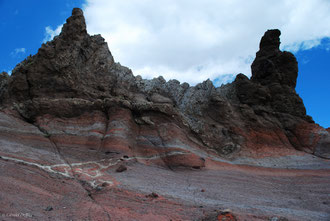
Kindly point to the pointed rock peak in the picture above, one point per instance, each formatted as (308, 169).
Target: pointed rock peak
(75, 26)
(272, 65)
(270, 40)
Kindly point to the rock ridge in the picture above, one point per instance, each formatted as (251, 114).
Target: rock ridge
(75, 73)
(82, 138)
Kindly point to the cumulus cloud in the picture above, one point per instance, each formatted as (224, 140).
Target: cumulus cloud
(51, 33)
(17, 52)
(195, 40)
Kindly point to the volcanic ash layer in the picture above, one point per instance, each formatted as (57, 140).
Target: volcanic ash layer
(78, 130)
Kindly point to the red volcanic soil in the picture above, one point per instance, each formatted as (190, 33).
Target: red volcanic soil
(39, 182)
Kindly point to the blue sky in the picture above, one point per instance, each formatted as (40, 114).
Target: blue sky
(181, 41)
(313, 83)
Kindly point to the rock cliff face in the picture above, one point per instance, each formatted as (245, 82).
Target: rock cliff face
(76, 74)
(78, 114)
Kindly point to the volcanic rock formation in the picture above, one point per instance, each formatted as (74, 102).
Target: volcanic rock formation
(71, 111)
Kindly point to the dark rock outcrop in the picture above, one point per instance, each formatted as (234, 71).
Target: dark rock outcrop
(277, 71)
(70, 116)
(3, 86)
(76, 73)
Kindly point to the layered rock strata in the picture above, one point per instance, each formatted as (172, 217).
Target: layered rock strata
(70, 116)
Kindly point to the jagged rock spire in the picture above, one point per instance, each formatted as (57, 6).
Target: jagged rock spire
(74, 64)
(75, 25)
(272, 65)
(270, 40)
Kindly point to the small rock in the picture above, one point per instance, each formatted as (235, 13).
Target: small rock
(121, 168)
(98, 188)
(226, 215)
(49, 208)
(153, 195)
(202, 190)
(105, 184)
(110, 152)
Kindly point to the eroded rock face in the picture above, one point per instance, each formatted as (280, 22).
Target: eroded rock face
(76, 73)
(70, 117)
(73, 65)
(3, 86)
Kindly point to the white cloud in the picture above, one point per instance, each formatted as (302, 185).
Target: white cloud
(50, 33)
(17, 52)
(195, 40)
